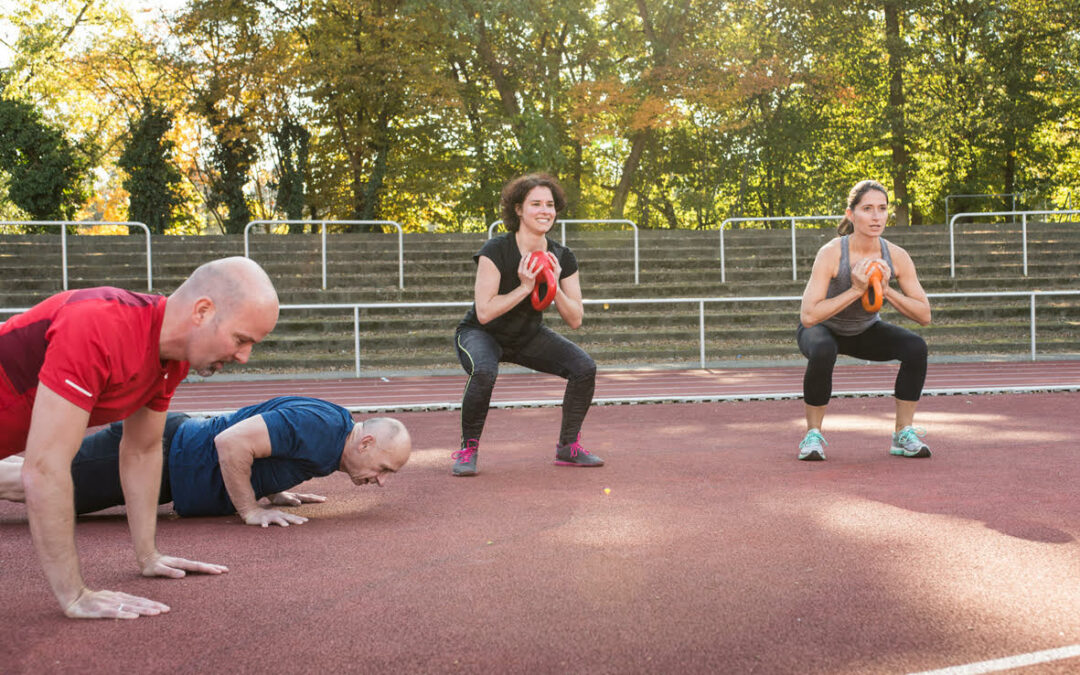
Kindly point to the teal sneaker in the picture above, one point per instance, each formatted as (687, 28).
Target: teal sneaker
(907, 443)
(811, 449)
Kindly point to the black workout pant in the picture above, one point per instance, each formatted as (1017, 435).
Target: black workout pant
(880, 342)
(547, 352)
(95, 470)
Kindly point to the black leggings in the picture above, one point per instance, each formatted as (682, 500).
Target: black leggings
(547, 352)
(880, 342)
(95, 470)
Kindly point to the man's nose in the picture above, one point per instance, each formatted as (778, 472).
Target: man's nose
(243, 354)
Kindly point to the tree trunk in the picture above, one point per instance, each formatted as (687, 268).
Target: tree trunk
(629, 168)
(906, 214)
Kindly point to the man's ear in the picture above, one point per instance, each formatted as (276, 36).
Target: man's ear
(202, 310)
(367, 443)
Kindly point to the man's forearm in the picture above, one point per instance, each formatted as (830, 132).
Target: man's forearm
(50, 510)
(140, 477)
(236, 474)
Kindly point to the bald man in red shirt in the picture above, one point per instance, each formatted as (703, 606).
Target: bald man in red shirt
(100, 355)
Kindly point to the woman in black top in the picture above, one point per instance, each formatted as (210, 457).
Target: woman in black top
(502, 324)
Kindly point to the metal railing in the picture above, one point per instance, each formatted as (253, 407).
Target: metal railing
(322, 224)
(64, 224)
(700, 302)
(1023, 230)
(794, 270)
(982, 195)
(637, 276)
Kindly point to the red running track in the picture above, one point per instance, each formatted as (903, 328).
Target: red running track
(536, 389)
(715, 551)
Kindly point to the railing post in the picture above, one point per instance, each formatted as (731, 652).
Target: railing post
(149, 266)
(794, 273)
(1023, 234)
(563, 223)
(701, 331)
(637, 272)
(63, 252)
(722, 271)
(1032, 326)
(356, 336)
(952, 248)
(323, 224)
(400, 257)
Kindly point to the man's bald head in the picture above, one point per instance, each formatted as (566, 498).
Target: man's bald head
(219, 313)
(230, 282)
(376, 448)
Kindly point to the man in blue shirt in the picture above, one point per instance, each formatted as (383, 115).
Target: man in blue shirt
(223, 465)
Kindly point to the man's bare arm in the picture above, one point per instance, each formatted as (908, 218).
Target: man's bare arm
(57, 427)
(238, 447)
(140, 476)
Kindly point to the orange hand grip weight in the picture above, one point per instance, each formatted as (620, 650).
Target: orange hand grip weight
(545, 274)
(874, 296)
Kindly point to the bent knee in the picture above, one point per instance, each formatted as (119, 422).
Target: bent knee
(822, 352)
(584, 369)
(484, 374)
(914, 349)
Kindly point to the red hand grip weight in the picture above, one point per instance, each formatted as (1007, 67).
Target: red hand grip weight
(546, 274)
(874, 296)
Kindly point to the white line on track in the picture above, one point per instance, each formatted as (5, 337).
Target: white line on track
(1008, 662)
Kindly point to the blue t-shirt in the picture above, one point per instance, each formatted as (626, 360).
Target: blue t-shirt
(307, 437)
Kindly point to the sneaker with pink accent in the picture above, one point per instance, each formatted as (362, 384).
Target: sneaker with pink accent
(465, 458)
(572, 454)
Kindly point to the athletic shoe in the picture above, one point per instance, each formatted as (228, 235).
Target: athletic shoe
(465, 458)
(811, 447)
(907, 443)
(572, 454)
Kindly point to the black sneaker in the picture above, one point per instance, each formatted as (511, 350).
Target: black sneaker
(465, 458)
(572, 454)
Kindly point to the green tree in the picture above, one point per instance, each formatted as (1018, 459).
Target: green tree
(46, 172)
(292, 142)
(153, 181)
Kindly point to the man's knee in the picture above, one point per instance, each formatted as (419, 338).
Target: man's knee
(11, 487)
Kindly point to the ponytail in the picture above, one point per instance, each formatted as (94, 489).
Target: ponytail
(845, 227)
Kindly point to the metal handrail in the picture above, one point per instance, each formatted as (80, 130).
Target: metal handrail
(723, 274)
(78, 223)
(1023, 214)
(322, 223)
(1014, 195)
(618, 221)
(701, 302)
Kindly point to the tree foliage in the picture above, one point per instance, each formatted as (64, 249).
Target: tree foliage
(674, 113)
(45, 171)
(153, 181)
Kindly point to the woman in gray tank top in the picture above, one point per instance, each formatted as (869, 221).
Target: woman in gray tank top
(833, 320)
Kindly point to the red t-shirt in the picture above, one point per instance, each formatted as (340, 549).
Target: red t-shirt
(95, 347)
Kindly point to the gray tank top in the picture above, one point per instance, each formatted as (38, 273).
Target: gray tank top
(852, 319)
